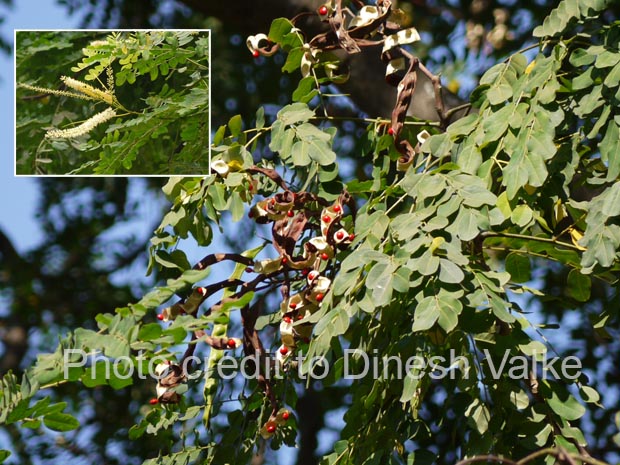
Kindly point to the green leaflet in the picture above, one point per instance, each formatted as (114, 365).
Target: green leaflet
(567, 11)
(60, 422)
(187, 455)
(443, 308)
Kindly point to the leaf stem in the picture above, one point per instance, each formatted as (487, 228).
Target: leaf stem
(531, 238)
(373, 120)
(54, 384)
(259, 133)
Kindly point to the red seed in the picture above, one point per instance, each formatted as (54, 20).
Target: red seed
(305, 272)
(271, 428)
(290, 213)
(249, 270)
(300, 317)
(293, 305)
(285, 415)
(284, 350)
(255, 54)
(231, 343)
(201, 290)
(391, 131)
(339, 235)
(160, 317)
(326, 219)
(319, 297)
(154, 401)
(351, 236)
(287, 319)
(312, 275)
(337, 208)
(324, 256)
(323, 10)
(284, 260)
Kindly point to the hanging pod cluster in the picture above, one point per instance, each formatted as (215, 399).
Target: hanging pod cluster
(307, 232)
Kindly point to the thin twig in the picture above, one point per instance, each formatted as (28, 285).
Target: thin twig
(486, 458)
(531, 238)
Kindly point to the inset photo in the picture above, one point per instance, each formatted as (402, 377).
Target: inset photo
(105, 102)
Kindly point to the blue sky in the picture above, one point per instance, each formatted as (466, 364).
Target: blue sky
(19, 195)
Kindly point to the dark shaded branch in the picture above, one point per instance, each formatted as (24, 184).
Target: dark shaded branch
(310, 411)
(214, 258)
(14, 328)
(245, 288)
(252, 345)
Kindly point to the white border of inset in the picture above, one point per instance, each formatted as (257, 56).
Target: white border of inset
(210, 64)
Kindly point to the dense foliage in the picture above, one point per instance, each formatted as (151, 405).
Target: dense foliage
(156, 89)
(494, 238)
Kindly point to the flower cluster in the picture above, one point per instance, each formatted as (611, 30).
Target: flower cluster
(83, 128)
(88, 90)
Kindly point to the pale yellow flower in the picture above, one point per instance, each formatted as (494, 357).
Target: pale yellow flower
(83, 128)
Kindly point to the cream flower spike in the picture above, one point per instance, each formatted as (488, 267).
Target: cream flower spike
(88, 90)
(83, 128)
